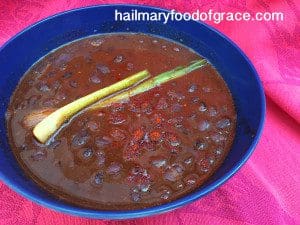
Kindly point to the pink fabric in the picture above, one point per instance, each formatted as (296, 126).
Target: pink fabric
(267, 189)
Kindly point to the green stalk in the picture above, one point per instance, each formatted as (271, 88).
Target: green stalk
(50, 120)
(49, 125)
(150, 84)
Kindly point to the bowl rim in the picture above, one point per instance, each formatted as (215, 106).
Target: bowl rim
(155, 210)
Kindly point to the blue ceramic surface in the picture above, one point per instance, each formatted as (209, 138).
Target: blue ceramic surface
(19, 53)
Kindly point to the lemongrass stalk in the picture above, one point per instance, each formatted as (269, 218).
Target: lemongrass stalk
(49, 125)
(150, 84)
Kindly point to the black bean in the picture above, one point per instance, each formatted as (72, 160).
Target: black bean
(135, 196)
(24, 147)
(218, 151)
(224, 123)
(176, 49)
(203, 125)
(102, 142)
(103, 69)
(189, 160)
(176, 107)
(56, 85)
(175, 95)
(129, 66)
(101, 157)
(173, 173)
(44, 87)
(159, 163)
(87, 153)
(200, 145)
(61, 96)
(193, 116)
(117, 118)
(144, 187)
(191, 179)
(39, 155)
(118, 59)
(192, 88)
(92, 126)
(99, 178)
(114, 168)
(80, 139)
(95, 79)
(195, 100)
(67, 75)
(73, 84)
(206, 89)
(174, 143)
(202, 107)
(50, 102)
(204, 165)
(211, 160)
(97, 42)
(178, 185)
(165, 193)
(218, 137)
(212, 111)
(162, 104)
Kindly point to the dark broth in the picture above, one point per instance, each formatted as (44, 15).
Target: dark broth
(157, 147)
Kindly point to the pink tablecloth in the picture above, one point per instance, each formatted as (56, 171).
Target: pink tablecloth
(267, 189)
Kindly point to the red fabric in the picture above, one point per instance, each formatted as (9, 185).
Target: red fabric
(267, 189)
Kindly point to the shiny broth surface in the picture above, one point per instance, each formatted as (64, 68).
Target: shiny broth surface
(151, 149)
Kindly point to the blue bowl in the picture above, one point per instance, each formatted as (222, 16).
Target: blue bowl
(19, 53)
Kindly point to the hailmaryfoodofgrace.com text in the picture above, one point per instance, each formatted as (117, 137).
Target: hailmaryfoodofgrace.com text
(210, 15)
